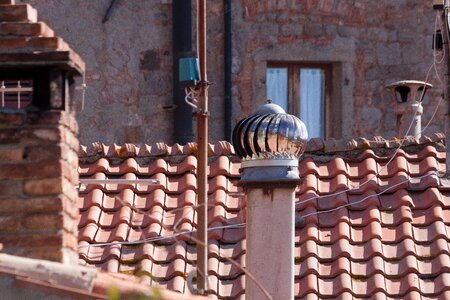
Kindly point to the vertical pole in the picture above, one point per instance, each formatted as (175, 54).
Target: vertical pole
(3, 88)
(202, 142)
(227, 64)
(19, 87)
(446, 46)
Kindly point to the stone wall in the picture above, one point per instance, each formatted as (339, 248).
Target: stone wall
(129, 59)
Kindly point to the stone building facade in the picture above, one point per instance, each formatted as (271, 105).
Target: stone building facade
(367, 44)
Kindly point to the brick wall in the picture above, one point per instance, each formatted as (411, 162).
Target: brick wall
(129, 59)
(38, 178)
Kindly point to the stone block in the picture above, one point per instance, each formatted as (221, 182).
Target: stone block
(47, 186)
(18, 13)
(33, 44)
(38, 153)
(54, 43)
(30, 170)
(12, 43)
(43, 221)
(70, 224)
(52, 254)
(31, 136)
(371, 117)
(313, 29)
(70, 173)
(16, 205)
(11, 120)
(69, 190)
(9, 188)
(26, 241)
(63, 255)
(315, 144)
(11, 153)
(389, 53)
(26, 29)
(46, 134)
(64, 118)
(10, 224)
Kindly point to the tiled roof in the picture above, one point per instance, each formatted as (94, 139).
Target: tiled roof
(363, 229)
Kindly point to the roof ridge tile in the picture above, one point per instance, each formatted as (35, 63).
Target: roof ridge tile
(360, 143)
(158, 149)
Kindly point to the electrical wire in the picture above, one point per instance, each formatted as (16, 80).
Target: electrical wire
(191, 97)
(174, 236)
(161, 238)
(191, 100)
(438, 173)
(397, 149)
(370, 196)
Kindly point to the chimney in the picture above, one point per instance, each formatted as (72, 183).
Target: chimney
(269, 142)
(409, 95)
(38, 138)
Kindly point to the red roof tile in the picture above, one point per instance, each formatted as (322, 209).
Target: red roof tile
(367, 225)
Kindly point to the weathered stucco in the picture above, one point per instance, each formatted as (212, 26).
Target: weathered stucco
(129, 59)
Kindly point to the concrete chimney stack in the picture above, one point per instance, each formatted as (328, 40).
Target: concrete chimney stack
(409, 95)
(270, 142)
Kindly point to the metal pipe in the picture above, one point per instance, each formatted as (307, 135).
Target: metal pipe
(183, 131)
(227, 64)
(119, 181)
(202, 143)
(446, 48)
(2, 88)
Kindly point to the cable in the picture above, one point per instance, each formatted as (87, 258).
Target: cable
(161, 238)
(191, 97)
(434, 114)
(436, 20)
(242, 225)
(396, 151)
(232, 261)
(367, 197)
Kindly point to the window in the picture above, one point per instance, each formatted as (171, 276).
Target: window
(15, 93)
(302, 90)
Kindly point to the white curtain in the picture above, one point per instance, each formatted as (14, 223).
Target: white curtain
(277, 86)
(312, 101)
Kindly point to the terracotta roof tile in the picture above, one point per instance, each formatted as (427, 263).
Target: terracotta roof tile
(357, 243)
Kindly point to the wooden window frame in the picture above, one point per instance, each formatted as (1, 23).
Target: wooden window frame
(294, 88)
